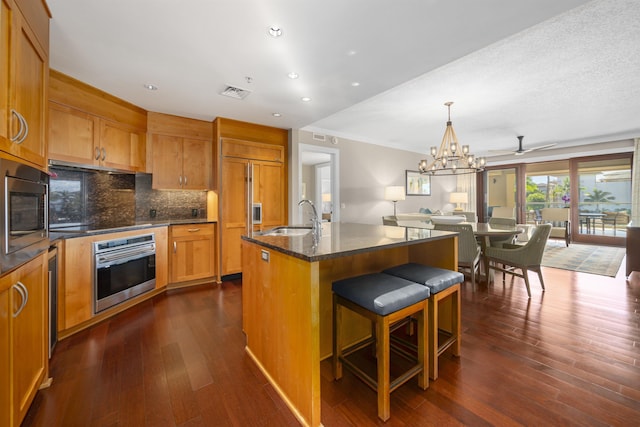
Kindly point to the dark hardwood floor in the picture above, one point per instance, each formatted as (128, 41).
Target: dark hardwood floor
(569, 356)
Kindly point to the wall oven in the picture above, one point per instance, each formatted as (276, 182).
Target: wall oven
(124, 268)
(25, 207)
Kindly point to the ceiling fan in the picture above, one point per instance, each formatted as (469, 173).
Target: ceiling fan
(520, 151)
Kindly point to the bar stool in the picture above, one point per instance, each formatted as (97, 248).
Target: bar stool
(442, 283)
(383, 299)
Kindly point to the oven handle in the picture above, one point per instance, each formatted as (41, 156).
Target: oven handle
(122, 256)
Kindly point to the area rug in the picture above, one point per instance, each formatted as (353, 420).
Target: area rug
(601, 260)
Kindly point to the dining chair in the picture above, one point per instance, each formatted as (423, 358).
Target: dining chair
(503, 212)
(615, 219)
(470, 216)
(499, 241)
(468, 248)
(525, 258)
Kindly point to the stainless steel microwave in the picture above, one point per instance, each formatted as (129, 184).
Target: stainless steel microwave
(25, 206)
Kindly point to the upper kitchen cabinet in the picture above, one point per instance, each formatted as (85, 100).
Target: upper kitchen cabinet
(24, 74)
(182, 152)
(88, 127)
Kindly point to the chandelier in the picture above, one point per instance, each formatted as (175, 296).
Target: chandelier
(451, 158)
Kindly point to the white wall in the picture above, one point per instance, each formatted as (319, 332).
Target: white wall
(365, 169)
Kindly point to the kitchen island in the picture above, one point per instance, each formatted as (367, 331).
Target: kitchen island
(287, 299)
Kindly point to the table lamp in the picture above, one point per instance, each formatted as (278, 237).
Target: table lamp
(394, 193)
(458, 198)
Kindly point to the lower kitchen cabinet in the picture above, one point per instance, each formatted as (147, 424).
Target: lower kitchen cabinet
(23, 338)
(75, 298)
(5, 358)
(193, 249)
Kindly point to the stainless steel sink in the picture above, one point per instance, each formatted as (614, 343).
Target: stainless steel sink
(287, 231)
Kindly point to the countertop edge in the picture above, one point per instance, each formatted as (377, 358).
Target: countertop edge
(322, 257)
(61, 235)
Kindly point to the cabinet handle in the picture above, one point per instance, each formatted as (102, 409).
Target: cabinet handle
(104, 154)
(24, 294)
(26, 131)
(23, 130)
(97, 153)
(185, 180)
(193, 230)
(180, 180)
(175, 247)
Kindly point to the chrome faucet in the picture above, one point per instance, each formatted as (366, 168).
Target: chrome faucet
(316, 225)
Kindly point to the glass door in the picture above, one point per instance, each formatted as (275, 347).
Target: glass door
(547, 186)
(603, 197)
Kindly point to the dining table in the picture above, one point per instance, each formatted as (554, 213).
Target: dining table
(483, 232)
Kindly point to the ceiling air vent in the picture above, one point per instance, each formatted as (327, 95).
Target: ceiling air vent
(235, 92)
(319, 137)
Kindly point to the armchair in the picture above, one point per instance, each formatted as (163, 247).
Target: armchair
(468, 248)
(497, 222)
(561, 220)
(525, 258)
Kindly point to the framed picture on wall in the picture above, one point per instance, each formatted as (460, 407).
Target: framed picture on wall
(418, 184)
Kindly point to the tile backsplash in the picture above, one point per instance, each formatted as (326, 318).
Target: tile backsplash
(102, 199)
(167, 204)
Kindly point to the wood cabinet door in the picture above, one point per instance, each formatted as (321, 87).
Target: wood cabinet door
(193, 258)
(73, 135)
(5, 353)
(233, 201)
(6, 53)
(29, 336)
(269, 189)
(77, 285)
(167, 162)
(27, 82)
(118, 146)
(196, 164)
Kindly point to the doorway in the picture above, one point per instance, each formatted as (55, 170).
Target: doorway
(318, 181)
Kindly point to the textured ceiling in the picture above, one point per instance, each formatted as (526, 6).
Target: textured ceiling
(556, 71)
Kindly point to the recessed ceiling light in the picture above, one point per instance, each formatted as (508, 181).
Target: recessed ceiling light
(351, 52)
(293, 75)
(306, 99)
(275, 31)
(149, 86)
(276, 114)
(355, 84)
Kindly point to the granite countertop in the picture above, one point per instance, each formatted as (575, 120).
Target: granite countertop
(72, 232)
(342, 239)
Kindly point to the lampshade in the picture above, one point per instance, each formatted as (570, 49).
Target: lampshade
(394, 193)
(457, 198)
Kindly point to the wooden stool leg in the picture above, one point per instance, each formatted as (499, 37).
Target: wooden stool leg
(455, 320)
(423, 354)
(433, 337)
(337, 339)
(383, 340)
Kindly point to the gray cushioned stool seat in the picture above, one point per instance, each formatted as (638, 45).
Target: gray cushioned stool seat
(380, 293)
(436, 279)
(444, 284)
(384, 300)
